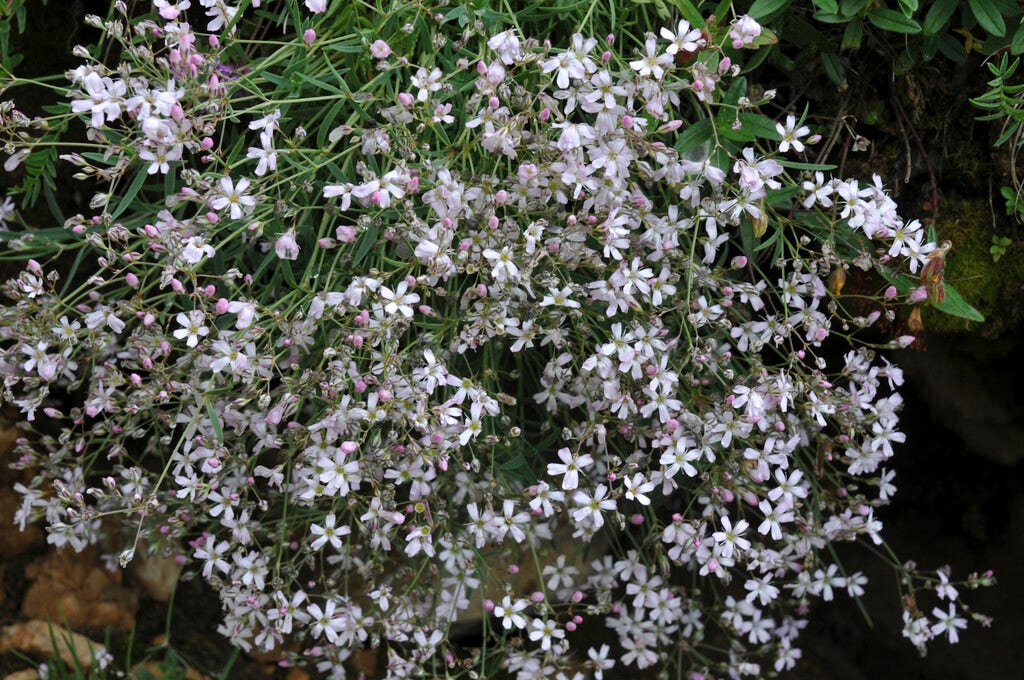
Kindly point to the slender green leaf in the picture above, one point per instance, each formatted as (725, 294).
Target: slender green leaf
(908, 7)
(796, 165)
(214, 422)
(988, 17)
(130, 194)
(955, 305)
(366, 243)
(833, 68)
(952, 48)
(830, 6)
(891, 20)
(851, 8)
(1017, 46)
(853, 35)
(937, 16)
(830, 18)
(695, 135)
(689, 12)
(763, 8)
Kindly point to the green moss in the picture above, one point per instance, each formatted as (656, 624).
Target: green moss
(970, 224)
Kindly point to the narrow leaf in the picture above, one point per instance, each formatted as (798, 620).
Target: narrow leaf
(833, 68)
(891, 20)
(938, 14)
(955, 305)
(130, 194)
(988, 17)
(763, 8)
(1017, 46)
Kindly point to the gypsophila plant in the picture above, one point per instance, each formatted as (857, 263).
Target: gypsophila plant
(379, 308)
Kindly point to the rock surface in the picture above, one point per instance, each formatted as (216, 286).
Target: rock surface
(36, 638)
(75, 589)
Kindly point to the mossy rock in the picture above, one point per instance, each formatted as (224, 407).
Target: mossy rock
(994, 288)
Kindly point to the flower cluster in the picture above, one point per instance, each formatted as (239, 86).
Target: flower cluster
(365, 358)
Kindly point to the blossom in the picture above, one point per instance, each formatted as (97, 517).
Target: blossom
(560, 297)
(380, 49)
(652, 64)
(683, 39)
(569, 467)
(192, 327)
(316, 6)
(399, 300)
(589, 506)
(791, 135)
(510, 613)
(948, 622)
(427, 82)
(743, 31)
(545, 631)
(232, 195)
(328, 533)
(731, 537)
(286, 247)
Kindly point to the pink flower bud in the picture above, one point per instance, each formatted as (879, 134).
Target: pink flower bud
(308, 36)
(513, 569)
(380, 49)
(405, 99)
(488, 606)
(637, 519)
(545, 114)
(570, 626)
(606, 56)
(890, 292)
(345, 233)
(537, 596)
(918, 295)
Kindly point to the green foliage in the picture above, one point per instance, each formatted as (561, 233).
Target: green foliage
(906, 32)
(999, 246)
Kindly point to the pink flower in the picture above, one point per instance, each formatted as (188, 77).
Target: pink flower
(316, 6)
(380, 49)
(286, 247)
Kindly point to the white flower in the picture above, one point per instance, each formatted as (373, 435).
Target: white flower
(509, 613)
(559, 298)
(192, 327)
(399, 299)
(948, 622)
(195, 249)
(791, 135)
(328, 533)
(652, 64)
(233, 195)
(545, 631)
(569, 467)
